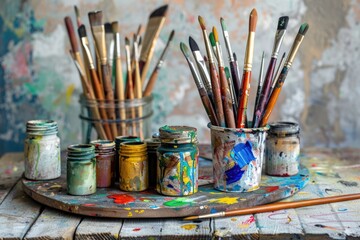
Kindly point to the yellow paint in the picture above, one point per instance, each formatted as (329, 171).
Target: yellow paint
(128, 209)
(189, 226)
(68, 93)
(233, 219)
(243, 225)
(225, 200)
(140, 211)
(302, 193)
(130, 214)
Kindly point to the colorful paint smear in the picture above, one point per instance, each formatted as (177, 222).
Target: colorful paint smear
(178, 202)
(122, 198)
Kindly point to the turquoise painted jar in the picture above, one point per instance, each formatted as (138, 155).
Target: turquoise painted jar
(42, 150)
(177, 163)
(81, 169)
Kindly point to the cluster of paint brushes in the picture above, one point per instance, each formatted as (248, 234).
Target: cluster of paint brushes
(224, 96)
(102, 77)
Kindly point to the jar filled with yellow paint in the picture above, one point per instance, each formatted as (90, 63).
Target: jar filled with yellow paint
(133, 166)
(177, 165)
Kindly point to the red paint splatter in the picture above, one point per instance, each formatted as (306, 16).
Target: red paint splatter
(89, 204)
(249, 221)
(8, 171)
(136, 229)
(314, 165)
(271, 188)
(122, 198)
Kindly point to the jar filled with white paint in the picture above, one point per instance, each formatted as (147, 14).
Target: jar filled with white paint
(101, 119)
(42, 150)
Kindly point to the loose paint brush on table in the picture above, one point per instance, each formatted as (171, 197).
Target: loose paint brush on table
(213, 76)
(200, 86)
(201, 64)
(153, 28)
(278, 206)
(279, 36)
(245, 85)
(280, 82)
(233, 65)
(225, 91)
(151, 83)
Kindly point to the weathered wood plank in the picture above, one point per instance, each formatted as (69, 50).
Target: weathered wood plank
(239, 227)
(143, 228)
(11, 169)
(53, 224)
(98, 229)
(175, 229)
(17, 214)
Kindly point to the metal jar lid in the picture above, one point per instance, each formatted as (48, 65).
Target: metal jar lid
(178, 134)
(284, 128)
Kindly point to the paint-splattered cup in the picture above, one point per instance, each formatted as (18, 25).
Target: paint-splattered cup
(238, 155)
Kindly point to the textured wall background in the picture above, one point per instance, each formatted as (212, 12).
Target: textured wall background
(38, 79)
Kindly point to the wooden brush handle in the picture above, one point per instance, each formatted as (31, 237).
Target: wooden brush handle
(208, 107)
(264, 93)
(226, 99)
(274, 96)
(217, 95)
(235, 78)
(241, 115)
(151, 83)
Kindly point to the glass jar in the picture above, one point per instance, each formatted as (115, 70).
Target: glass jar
(104, 152)
(152, 146)
(133, 117)
(133, 166)
(81, 169)
(282, 149)
(42, 150)
(177, 165)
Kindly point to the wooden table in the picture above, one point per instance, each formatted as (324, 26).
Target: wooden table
(333, 172)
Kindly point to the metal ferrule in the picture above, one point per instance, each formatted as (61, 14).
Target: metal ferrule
(228, 46)
(195, 75)
(208, 47)
(160, 63)
(203, 70)
(128, 58)
(249, 52)
(279, 36)
(136, 50)
(293, 50)
(117, 44)
(219, 53)
(212, 215)
(85, 45)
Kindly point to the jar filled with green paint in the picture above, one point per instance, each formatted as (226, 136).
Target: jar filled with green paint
(177, 163)
(42, 150)
(133, 167)
(81, 169)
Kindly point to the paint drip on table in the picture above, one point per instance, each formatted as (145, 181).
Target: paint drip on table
(237, 158)
(178, 164)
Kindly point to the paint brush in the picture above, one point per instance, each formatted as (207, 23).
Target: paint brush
(78, 18)
(233, 65)
(200, 86)
(232, 91)
(110, 44)
(280, 81)
(278, 206)
(138, 83)
(201, 64)
(153, 28)
(119, 82)
(279, 36)
(154, 75)
(245, 85)
(213, 44)
(213, 77)
(260, 83)
(97, 88)
(277, 74)
(98, 30)
(224, 87)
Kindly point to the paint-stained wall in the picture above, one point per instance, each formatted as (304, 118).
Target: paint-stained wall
(38, 79)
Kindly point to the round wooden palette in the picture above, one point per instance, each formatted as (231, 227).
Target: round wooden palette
(111, 202)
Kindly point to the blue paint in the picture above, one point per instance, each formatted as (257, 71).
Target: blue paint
(242, 154)
(213, 210)
(233, 174)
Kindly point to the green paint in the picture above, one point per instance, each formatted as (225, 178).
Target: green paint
(178, 202)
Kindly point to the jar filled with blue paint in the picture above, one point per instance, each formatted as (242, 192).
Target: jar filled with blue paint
(282, 149)
(177, 161)
(42, 150)
(81, 169)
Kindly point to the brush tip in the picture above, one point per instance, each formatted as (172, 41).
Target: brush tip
(216, 36)
(202, 22)
(115, 27)
(190, 218)
(82, 31)
(171, 35)
(222, 22)
(303, 28)
(253, 20)
(76, 11)
(159, 12)
(227, 72)
(108, 28)
(127, 41)
(212, 39)
(184, 49)
(193, 44)
(283, 22)
(95, 18)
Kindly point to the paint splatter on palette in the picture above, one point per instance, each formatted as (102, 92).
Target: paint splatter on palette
(111, 202)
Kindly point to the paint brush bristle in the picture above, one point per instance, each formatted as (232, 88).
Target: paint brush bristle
(202, 22)
(95, 18)
(82, 31)
(108, 28)
(193, 45)
(283, 22)
(161, 11)
(212, 39)
(185, 49)
(127, 41)
(77, 14)
(303, 29)
(216, 36)
(253, 20)
(222, 22)
(171, 35)
(115, 27)
(227, 72)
